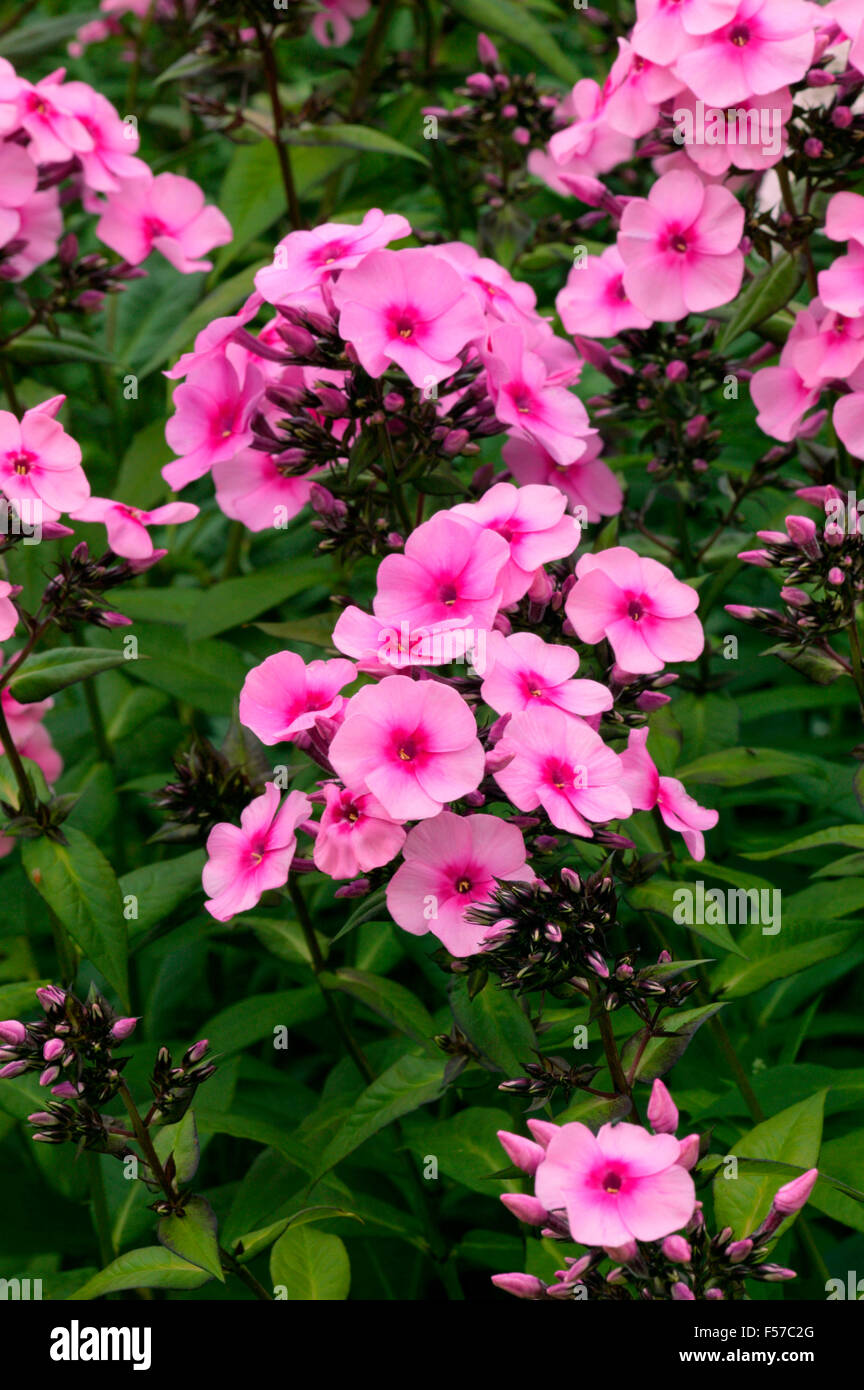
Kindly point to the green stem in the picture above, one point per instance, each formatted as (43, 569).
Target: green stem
(742, 1079)
(26, 802)
(232, 552)
(271, 75)
(245, 1276)
(857, 669)
(610, 1048)
(101, 1217)
(143, 1137)
(97, 723)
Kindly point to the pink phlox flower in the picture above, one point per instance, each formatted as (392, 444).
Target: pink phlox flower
(18, 178)
(556, 761)
(244, 862)
(594, 301)
(40, 464)
(332, 24)
(114, 141)
(765, 45)
(166, 214)
(621, 1185)
(588, 143)
(526, 401)
(527, 673)
(647, 615)
(533, 522)
(450, 863)
(635, 90)
(250, 487)
(212, 341)
(665, 29)
(40, 227)
(355, 834)
(448, 571)
(588, 482)
(407, 307)
(750, 136)
(303, 260)
(680, 247)
(283, 696)
(497, 294)
(647, 789)
(212, 417)
(127, 526)
(412, 744)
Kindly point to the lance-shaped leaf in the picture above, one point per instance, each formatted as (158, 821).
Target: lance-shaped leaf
(742, 1199)
(47, 672)
(306, 1265)
(149, 1268)
(191, 1234)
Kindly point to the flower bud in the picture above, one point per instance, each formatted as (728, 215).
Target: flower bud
(676, 1249)
(521, 1285)
(521, 1152)
(11, 1031)
(524, 1208)
(682, 1293)
(123, 1028)
(793, 1195)
(662, 1110)
(53, 1049)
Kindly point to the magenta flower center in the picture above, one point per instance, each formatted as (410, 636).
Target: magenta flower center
(21, 465)
(463, 885)
(407, 750)
(678, 243)
(448, 594)
(559, 775)
(402, 323)
(635, 610)
(739, 35)
(612, 1182)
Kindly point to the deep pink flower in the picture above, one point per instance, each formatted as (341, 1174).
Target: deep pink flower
(667, 28)
(284, 696)
(497, 294)
(355, 834)
(452, 862)
(449, 571)
(18, 178)
(680, 247)
(532, 405)
(766, 44)
(250, 487)
(56, 134)
(528, 673)
(594, 302)
(532, 521)
(646, 789)
(751, 136)
(559, 763)
(212, 420)
(40, 463)
(8, 611)
(127, 526)
(412, 744)
(303, 261)
(40, 227)
(587, 144)
(332, 24)
(244, 862)
(622, 1185)
(165, 214)
(380, 647)
(407, 307)
(588, 482)
(648, 615)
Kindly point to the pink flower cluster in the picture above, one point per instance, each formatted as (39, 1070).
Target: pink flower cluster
(56, 130)
(421, 313)
(32, 740)
(825, 347)
(410, 759)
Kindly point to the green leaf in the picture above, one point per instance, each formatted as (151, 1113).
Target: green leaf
(256, 1018)
(208, 675)
(466, 1147)
(32, 39)
(149, 310)
(150, 1268)
(248, 1246)
(797, 946)
(47, 672)
(140, 482)
(180, 1141)
(352, 137)
(793, 1136)
(518, 25)
(495, 1022)
(850, 835)
(306, 1265)
(38, 347)
(9, 784)
(661, 1054)
(79, 885)
(237, 600)
(659, 896)
(19, 999)
(770, 291)
(408, 1084)
(224, 300)
(738, 767)
(160, 888)
(191, 1234)
(391, 1001)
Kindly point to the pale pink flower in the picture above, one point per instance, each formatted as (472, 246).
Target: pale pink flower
(646, 789)
(40, 109)
(587, 144)
(636, 89)
(528, 673)
(680, 247)
(40, 462)
(8, 611)
(765, 45)
(667, 28)
(40, 227)
(559, 763)
(114, 142)
(412, 744)
(332, 24)
(452, 862)
(647, 615)
(594, 302)
(844, 218)
(447, 572)
(750, 136)
(303, 261)
(250, 487)
(780, 394)
(407, 307)
(848, 418)
(530, 403)
(841, 286)
(588, 482)
(622, 1185)
(355, 834)
(18, 178)
(244, 862)
(127, 526)
(166, 214)
(29, 734)
(497, 294)
(283, 696)
(532, 521)
(213, 412)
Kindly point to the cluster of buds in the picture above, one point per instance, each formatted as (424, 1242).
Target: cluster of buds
(174, 1087)
(829, 560)
(74, 595)
(500, 116)
(209, 788)
(825, 138)
(680, 1266)
(72, 1047)
(80, 283)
